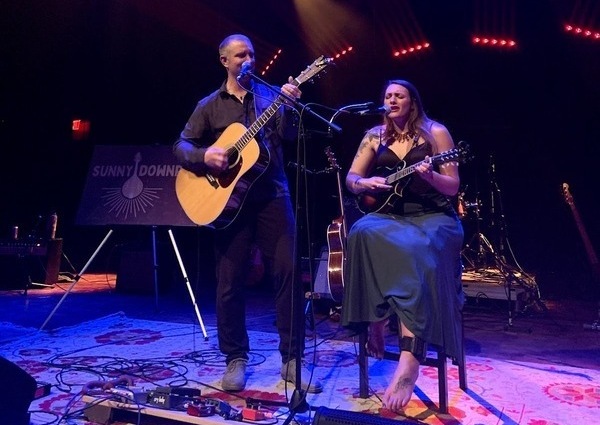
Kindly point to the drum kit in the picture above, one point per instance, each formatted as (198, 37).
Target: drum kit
(482, 259)
(479, 252)
(477, 247)
(465, 208)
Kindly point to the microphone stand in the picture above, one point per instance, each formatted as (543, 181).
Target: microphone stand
(344, 109)
(297, 104)
(514, 277)
(497, 219)
(298, 402)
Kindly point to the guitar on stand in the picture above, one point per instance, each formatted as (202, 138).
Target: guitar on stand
(589, 249)
(587, 243)
(336, 239)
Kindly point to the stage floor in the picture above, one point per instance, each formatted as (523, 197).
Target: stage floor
(555, 334)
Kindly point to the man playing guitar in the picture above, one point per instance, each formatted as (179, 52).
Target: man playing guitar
(245, 182)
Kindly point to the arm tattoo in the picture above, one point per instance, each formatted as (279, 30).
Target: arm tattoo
(363, 145)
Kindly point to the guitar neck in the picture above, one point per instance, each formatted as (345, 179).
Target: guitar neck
(261, 120)
(457, 154)
(400, 174)
(341, 200)
(584, 236)
(256, 126)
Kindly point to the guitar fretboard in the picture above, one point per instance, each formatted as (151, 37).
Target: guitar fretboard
(255, 127)
(452, 154)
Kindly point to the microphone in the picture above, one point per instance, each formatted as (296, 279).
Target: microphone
(246, 69)
(375, 110)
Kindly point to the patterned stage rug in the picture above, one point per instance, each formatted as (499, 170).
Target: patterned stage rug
(174, 354)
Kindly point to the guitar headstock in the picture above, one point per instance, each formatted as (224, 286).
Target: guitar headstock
(567, 194)
(313, 69)
(331, 158)
(462, 153)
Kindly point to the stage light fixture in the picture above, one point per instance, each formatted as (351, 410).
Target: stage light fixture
(344, 52)
(493, 42)
(271, 62)
(582, 32)
(494, 24)
(412, 49)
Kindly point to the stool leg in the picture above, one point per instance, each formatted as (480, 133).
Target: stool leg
(363, 364)
(462, 374)
(462, 360)
(442, 382)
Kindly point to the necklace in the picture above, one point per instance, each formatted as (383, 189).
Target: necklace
(237, 96)
(405, 136)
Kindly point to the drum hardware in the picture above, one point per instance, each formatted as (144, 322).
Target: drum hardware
(465, 207)
(480, 253)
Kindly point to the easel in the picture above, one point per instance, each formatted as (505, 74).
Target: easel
(155, 266)
(137, 187)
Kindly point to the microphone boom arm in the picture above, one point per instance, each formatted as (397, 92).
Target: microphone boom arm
(295, 102)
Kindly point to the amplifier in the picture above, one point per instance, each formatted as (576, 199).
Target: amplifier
(22, 247)
(38, 261)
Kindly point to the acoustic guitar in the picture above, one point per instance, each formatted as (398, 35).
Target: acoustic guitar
(216, 200)
(587, 243)
(336, 239)
(398, 176)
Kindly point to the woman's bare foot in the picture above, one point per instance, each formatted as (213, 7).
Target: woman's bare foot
(401, 388)
(376, 341)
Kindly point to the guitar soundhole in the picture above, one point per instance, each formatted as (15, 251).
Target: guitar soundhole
(228, 177)
(233, 156)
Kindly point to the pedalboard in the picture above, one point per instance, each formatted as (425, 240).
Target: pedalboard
(172, 398)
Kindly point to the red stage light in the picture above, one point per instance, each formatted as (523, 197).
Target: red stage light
(345, 51)
(493, 42)
(271, 62)
(582, 31)
(413, 49)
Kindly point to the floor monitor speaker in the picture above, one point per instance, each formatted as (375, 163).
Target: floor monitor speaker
(326, 416)
(16, 393)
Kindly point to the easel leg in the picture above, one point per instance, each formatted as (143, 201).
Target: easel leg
(187, 282)
(155, 266)
(77, 278)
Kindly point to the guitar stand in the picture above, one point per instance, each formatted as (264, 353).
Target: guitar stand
(334, 310)
(595, 325)
(155, 265)
(511, 278)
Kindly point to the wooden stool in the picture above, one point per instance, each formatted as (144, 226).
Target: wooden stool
(438, 361)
